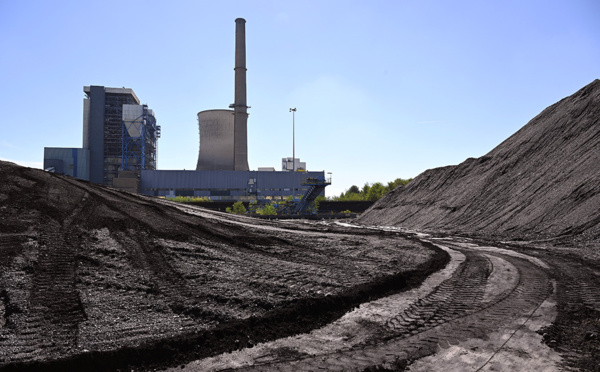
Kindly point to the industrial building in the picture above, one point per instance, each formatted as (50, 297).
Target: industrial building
(226, 185)
(74, 162)
(119, 134)
(292, 164)
(120, 145)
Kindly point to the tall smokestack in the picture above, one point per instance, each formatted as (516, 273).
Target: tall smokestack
(240, 121)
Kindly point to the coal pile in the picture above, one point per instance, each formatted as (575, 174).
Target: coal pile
(542, 183)
(92, 278)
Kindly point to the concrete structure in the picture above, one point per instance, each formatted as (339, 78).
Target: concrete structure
(128, 181)
(224, 133)
(118, 134)
(140, 134)
(239, 106)
(216, 140)
(287, 165)
(226, 185)
(74, 162)
(103, 129)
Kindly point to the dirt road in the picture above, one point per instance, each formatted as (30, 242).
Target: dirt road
(95, 279)
(488, 310)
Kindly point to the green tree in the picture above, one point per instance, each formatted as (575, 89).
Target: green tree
(365, 190)
(267, 210)
(354, 197)
(371, 192)
(317, 202)
(353, 189)
(348, 196)
(237, 208)
(375, 191)
(397, 182)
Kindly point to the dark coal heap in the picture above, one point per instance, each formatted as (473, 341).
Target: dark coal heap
(95, 279)
(541, 183)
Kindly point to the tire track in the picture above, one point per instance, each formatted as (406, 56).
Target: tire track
(452, 313)
(574, 332)
(54, 310)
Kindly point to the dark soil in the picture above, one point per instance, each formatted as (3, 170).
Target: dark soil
(539, 189)
(95, 279)
(541, 183)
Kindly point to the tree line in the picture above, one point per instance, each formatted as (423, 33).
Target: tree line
(369, 192)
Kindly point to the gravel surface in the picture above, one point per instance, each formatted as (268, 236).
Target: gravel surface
(494, 307)
(94, 278)
(537, 193)
(491, 265)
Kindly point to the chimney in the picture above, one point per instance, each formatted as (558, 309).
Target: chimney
(240, 121)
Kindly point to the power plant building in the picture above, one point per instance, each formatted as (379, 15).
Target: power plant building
(119, 134)
(120, 144)
(226, 185)
(290, 164)
(74, 162)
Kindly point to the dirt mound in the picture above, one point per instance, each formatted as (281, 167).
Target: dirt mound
(541, 183)
(93, 278)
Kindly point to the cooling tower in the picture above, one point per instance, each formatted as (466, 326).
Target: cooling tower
(224, 133)
(216, 140)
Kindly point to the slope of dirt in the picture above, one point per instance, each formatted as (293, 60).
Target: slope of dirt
(541, 183)
(92, 278)
(480, 296)
(494, 307)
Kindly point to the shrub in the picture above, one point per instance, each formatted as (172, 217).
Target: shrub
(267, 210)
(190, 199)
(237, 208)
(370, 192)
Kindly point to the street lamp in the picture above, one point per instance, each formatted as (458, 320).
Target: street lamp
(293, 111)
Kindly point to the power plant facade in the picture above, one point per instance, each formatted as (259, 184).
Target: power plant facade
(119, 134)
(226, 185)
(120, 145)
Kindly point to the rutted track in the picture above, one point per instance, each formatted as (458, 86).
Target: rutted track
(575, 332)
(92, 278)
(462, 307)
(53, 310)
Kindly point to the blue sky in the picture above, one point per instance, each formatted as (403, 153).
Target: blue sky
(383, 89)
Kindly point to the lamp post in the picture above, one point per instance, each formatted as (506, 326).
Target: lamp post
(293, 111)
